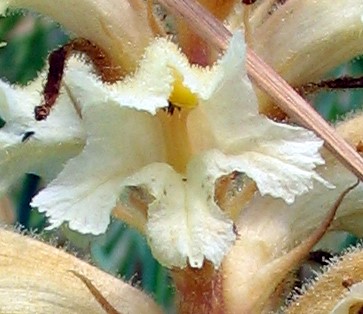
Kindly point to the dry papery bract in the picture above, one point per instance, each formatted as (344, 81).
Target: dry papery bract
(44, 279)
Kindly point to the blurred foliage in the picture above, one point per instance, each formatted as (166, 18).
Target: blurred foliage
(121, 251)
(29, 41)
(333, 105)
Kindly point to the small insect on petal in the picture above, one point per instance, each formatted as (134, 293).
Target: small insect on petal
(27, 135)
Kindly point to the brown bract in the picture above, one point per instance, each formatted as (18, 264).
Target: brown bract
(334, 287)
(42, 280)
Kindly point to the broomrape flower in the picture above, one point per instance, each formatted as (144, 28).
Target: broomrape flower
(176, 158)
(169, 133)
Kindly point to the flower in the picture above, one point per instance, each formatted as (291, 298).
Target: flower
(25, 145)
(213, 139)
(176, 158)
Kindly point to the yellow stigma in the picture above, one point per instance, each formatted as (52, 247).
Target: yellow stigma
(181, 96)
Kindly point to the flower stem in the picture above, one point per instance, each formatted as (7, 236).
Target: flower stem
(199, 290)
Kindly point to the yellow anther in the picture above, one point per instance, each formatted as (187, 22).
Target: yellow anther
(181, 96)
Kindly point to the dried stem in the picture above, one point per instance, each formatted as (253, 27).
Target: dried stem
(213, 31)
(57, 61)
(345, 82)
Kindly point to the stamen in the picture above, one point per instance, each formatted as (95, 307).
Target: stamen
(171, 108)
(57, 60)
(233, 197)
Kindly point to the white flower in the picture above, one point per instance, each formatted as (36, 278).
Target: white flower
(27, 146)
(176, 158)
